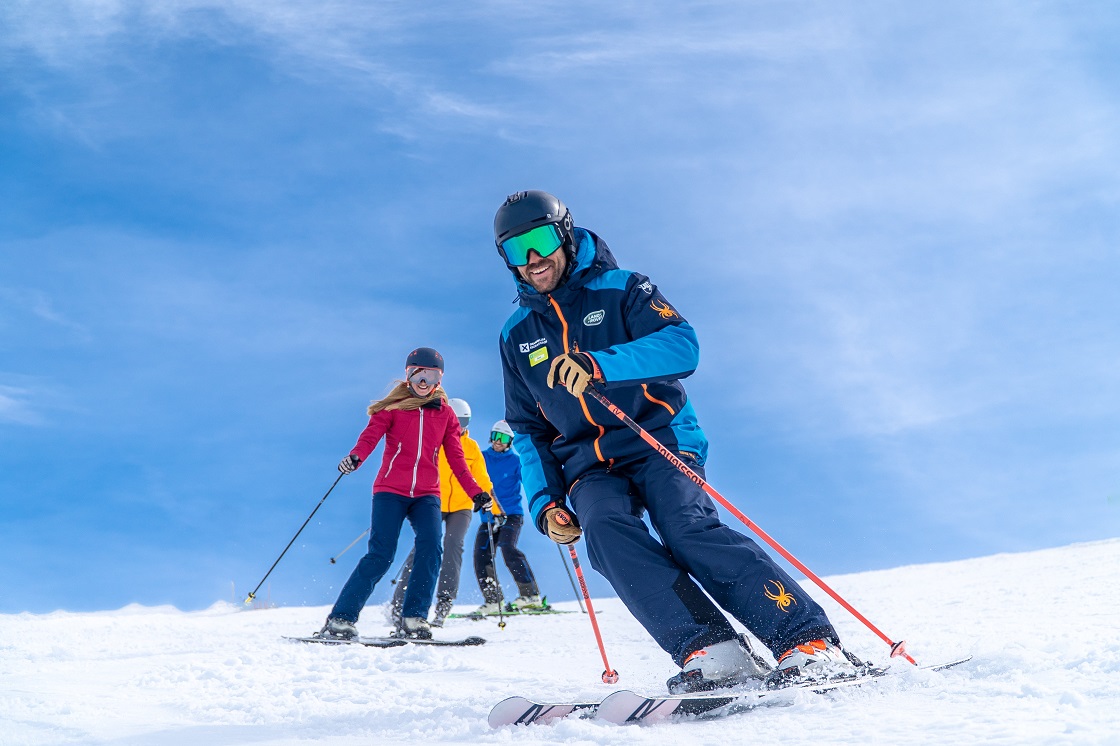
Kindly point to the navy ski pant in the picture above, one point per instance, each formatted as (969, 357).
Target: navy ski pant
(389, 513)
(505, 540)
(660, 582)
(455, 525)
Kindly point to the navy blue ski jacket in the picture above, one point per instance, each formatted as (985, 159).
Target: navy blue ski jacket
(641, 345)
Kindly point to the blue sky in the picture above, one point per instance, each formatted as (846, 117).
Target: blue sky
(224, 224)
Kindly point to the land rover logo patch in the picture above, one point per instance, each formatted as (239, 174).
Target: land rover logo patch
(594, 318)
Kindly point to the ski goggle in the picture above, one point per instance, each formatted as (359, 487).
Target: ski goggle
(425, 376)
(544, 239)
(501, 437)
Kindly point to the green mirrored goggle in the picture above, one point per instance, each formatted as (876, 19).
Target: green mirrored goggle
(501, 437)
(544, 239)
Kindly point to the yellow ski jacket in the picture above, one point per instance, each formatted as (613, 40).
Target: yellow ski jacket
(452, 496)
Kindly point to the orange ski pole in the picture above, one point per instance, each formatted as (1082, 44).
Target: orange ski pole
(897, 648)
(610, 676)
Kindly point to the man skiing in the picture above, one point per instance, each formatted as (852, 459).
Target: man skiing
(582, 322)
(502, 528)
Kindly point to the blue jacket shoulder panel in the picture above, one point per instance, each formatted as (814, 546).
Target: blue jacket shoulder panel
(642, 345)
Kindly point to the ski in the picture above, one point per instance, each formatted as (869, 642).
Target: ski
(371, 643)
(510, 610)
(515, 612)
(624, 706)
(465, 642)
(391, 642)
(521, 711)
(629, 707)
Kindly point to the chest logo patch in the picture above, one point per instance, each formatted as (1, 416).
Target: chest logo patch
(594, 318)
(530, 346)
(538, 356)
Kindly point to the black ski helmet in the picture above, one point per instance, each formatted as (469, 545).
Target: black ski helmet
(524, 211)
(424, 357)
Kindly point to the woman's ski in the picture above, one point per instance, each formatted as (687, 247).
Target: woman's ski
(390, 642)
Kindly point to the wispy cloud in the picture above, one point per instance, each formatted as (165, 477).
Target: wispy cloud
(17, 406)
(38, 304)
(351, 43)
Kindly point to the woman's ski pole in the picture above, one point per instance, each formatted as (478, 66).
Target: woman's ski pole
(253, 594)
(347, 549)
(579, 599)
(610, 676)
(897, 648)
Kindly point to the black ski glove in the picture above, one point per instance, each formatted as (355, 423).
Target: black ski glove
(349, 464)
(482, 501)
(499, 520)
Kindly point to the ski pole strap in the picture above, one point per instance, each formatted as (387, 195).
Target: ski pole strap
(897, 648)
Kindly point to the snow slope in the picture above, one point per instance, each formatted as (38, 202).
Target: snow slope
(1042, 627)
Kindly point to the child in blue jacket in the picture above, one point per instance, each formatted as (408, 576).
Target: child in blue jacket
(504, 467)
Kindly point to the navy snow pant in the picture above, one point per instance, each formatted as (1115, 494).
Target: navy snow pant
(455, 525)
(389, 513)
(653, 578)
(505, 541)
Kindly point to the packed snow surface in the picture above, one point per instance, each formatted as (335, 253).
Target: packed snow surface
(1042, 626)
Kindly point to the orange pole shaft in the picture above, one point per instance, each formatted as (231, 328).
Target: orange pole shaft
(610, 676)
(897, 648)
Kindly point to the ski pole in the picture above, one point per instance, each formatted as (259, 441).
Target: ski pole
(344, 551)
(610, 676)
(253, 593)
(571, 580)
(494, 566)
(897, 648)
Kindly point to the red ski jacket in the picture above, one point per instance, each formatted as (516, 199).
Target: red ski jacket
(410, 466)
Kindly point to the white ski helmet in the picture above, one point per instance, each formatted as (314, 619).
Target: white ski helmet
(501, 427)
(462, 410)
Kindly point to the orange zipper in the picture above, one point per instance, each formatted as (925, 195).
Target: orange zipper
(582, 402)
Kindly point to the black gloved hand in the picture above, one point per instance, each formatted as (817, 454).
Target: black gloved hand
(483, 501)
(349, 464)
(500, 520)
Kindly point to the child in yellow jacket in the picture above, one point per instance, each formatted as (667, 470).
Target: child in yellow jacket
(456, 506)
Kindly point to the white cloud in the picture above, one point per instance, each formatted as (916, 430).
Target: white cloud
(16, 407)
(354, 43)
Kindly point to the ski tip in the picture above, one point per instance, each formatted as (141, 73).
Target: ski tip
(948, 664)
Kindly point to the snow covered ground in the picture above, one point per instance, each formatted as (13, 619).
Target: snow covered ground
(1043, 627)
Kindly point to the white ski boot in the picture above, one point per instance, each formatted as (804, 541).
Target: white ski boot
(815, 659)
(338, 629)
(528, 603)
(724, 664)
(413, 628)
